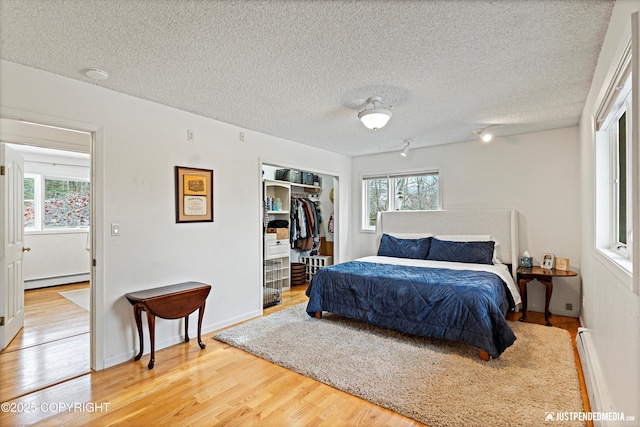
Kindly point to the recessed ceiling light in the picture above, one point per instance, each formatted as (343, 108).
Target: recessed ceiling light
(96, 74)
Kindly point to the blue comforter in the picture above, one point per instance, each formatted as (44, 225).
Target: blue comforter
(460, 305)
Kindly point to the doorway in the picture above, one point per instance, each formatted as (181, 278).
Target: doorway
(57, 258)
(300, 233)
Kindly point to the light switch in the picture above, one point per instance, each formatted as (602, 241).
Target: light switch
(115, 229)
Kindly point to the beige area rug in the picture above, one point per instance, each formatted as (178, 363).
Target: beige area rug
(436, 382)
(79, 297)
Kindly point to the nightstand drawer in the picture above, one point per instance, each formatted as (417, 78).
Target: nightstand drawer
(276, 249)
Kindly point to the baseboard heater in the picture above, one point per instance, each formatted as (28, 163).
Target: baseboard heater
(593, 376)
(55, 281)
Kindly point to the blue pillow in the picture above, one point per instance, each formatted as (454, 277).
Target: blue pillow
(470, 252)
(404, 248)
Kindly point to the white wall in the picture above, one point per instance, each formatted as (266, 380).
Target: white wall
(138, 145)
(611, 310)
(535, 174)
(56, 258)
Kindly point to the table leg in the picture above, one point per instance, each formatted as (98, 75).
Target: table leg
(200, 316)
(151, 319)
(137, 309)
(522, 284)
(549, 290)
(186, 328)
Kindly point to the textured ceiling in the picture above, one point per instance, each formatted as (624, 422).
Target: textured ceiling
(300, 69)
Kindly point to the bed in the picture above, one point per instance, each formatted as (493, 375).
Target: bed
(440, 274)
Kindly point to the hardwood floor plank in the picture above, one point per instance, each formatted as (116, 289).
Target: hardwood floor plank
(48, 317)
(40, 366)
(53, 346)
(220, 385)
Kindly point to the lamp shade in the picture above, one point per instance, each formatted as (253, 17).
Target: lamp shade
(375, 118)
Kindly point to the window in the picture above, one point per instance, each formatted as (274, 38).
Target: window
(622, 223)
(400, 192)
(376, 193)
(613, 172)
(29, 202)
(64, 203)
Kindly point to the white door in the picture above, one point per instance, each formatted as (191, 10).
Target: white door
(11, 221)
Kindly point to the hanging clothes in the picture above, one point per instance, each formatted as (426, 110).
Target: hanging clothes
(305, 224)
(331, 224)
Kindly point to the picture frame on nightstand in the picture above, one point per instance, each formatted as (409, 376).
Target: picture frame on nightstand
(562, 264)
(548, 261)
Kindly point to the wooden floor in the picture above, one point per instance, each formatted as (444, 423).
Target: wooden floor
(216, 386)
(53, 346)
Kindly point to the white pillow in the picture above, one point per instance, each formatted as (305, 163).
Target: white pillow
(473, 238)
(465, 237)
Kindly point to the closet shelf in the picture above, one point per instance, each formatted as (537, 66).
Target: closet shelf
(307, 187)
(276, 252)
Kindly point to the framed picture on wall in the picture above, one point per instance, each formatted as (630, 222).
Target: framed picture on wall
(548, 261)
(194, 194)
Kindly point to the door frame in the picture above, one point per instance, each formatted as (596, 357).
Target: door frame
(96, 154)
(337, 180)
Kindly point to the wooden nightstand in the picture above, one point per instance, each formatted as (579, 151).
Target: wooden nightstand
(544, 276)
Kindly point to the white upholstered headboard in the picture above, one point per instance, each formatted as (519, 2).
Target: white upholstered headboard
(500, 224)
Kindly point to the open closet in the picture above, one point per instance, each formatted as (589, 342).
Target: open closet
(298, 228)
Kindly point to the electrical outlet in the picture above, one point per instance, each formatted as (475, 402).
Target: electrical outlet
(190, 136)
(569, 307)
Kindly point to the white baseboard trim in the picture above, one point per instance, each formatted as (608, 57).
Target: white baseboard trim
(177, 339)
(554, 310)
(55, 281)
(599, 398)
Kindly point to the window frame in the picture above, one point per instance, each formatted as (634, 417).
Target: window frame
(391, 191)
(618, 101)
(36, 202)
(624, 249)
(39, 202)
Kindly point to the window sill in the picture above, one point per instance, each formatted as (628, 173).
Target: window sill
(621, 267)
(58, 231)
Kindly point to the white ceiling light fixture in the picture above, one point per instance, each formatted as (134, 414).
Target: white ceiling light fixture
(484, 136)
(374, 115)
(96, 74)
(405, 150)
